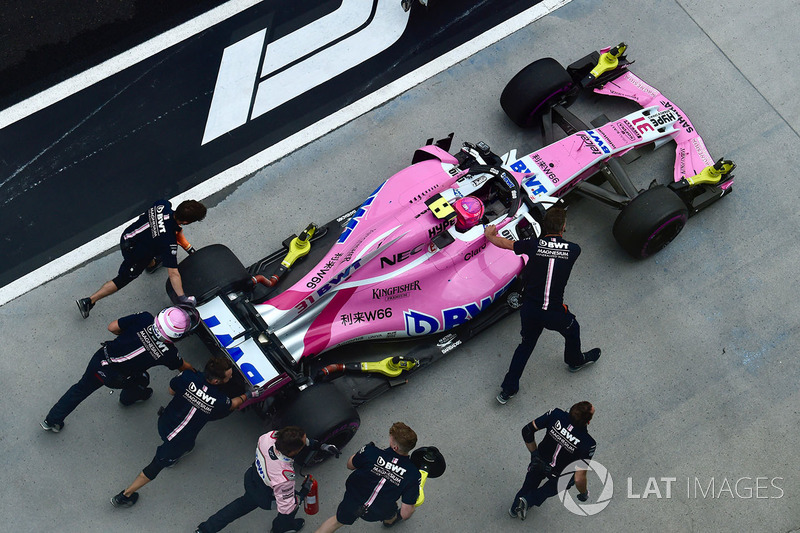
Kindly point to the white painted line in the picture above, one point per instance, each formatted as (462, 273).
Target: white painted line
(124, 60)
(290, 144)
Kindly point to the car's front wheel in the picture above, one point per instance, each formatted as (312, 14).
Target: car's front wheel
(209, 271)
(534, 90)
(650, 222)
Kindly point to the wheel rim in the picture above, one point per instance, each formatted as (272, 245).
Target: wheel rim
(664, 235)
(538, 108)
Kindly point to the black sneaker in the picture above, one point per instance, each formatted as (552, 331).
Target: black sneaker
(522, 508)
(503, 397)
(156, 265)
(84, 306)
(47, 426)
(120, 500)
(299, 523)
(513, 512)
(588, 358)
(148, 392)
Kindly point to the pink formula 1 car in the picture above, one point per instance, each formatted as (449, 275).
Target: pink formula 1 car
(411, 264)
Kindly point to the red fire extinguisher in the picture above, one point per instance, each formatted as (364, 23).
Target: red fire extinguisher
(312, 503)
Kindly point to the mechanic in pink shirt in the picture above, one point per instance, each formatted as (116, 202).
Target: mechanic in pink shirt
(271, 479)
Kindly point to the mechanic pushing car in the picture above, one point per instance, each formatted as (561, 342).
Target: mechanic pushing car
(142, 342)
(152, 240)
(566, 440)
(197, 400)
(546, 274)
(271, 479)
(380, 478)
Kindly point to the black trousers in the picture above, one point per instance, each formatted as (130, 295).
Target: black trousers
(534, 321)
(133, 388)
(256, 495)
(533, 490)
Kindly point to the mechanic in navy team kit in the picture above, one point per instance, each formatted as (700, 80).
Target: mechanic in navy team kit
(152, 240)
(380, 478)
(566, 440)
(197, 400)
(550, 261)
(142, 342)
(271, 479)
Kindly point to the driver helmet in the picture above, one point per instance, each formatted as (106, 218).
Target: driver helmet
(172, 323)
(469, 211)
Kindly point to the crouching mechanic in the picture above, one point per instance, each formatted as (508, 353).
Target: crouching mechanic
(197, 400)
(380, 478)
(271, 479)
(142, 342)
(150, 241)
(566, 440)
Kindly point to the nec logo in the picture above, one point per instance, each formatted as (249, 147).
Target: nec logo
(596, 138)
(402, 256)
(298, 62)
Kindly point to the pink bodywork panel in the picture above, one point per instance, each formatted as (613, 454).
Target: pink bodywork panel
(691, 154)
(407, 289)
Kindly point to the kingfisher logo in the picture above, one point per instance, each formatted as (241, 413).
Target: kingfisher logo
(596, 138)
(257, 75)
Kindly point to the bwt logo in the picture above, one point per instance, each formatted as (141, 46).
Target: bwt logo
(585, 509)
(200, 393)
(418, 323)
(391, 467)
(565, 433)
(555, 245)
(596, 138)
(532, 183)
(298, 62)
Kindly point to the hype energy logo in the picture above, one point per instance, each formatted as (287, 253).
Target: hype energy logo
(298, 62)
(585, 508)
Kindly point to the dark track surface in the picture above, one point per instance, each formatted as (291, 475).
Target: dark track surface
(86, 164)
(45, 42)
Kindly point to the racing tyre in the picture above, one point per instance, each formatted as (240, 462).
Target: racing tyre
(534, 90)
(650, 222)
(325, 414)
(209, 271)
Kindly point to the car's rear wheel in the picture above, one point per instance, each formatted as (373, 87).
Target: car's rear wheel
(534, 90)
(209, 271)
(325, 414)
(650, 222)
